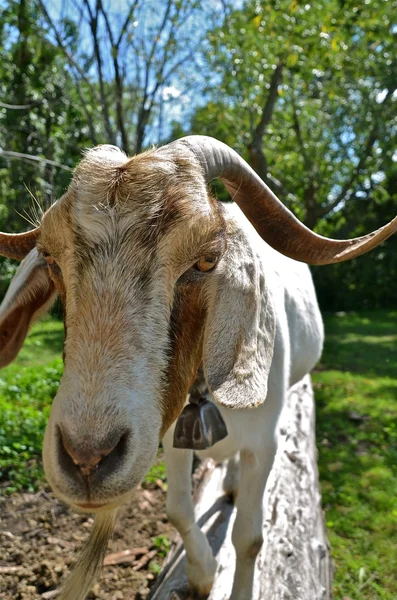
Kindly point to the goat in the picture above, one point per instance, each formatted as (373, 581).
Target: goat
(161, 283)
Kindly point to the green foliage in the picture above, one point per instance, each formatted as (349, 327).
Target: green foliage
(27, 388)
(371, 280)
(356, 398)
(329, 107)
(163, 544)
(327, 137)
(42, 346)
(25, 399)
(157, 471)
(7, 272)
(34, 73)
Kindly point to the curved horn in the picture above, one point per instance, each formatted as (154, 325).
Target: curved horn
(272, 220)
(18, 245)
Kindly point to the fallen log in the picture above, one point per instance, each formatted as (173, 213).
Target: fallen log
(294, 563)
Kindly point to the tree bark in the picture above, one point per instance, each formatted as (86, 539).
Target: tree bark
(294, 563)
(255, 148)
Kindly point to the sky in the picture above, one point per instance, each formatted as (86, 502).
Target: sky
(180, 101)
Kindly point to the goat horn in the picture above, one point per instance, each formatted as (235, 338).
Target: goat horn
(18, 245)
(272, 220)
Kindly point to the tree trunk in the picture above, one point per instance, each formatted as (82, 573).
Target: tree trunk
(255, 148)
(294, 563)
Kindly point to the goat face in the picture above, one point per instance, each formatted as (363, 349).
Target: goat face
(124, 243)
(122, 247)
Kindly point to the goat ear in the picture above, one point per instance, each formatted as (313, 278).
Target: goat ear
(31, 293)
(240, 328)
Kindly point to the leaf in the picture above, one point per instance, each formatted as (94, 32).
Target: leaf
(292, 60)
(257, 20)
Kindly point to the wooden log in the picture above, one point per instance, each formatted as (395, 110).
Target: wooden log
(294, 563)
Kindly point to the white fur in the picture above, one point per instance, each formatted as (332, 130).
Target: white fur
(251, 432)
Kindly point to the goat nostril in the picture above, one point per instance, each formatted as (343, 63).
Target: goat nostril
(86, 460)
(85, 469)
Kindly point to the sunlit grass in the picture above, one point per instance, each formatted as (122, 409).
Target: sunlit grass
(356, 398)
(43, 344)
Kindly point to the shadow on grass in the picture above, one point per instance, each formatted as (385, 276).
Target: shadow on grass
(365, 343)
(50, 340)
(371, 322)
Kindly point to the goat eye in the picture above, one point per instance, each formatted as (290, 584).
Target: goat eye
(206, 263)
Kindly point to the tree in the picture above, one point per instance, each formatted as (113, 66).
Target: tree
(38, 116)
(306, 93)
(41, 125)
(127, 66)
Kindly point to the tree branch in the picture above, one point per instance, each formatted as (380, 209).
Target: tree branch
(298, 133)
(33, 157)
(20, 106)
(144, 111)
(62, 46)
(93, 24)
(364, 154)
(255, 150)
(310, 193)
(270, 103)
(88, 116)
(118, 80)
(124, 27)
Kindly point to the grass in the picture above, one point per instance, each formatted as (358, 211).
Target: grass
(43, 345)
(27, 387)
(356, 397)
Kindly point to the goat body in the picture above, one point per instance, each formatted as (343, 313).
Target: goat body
(252, 433)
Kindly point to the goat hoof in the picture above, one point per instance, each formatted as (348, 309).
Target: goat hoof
(200, 581)
(200, 593)
(231, 495)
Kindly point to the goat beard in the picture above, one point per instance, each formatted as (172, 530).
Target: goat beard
(78, 583)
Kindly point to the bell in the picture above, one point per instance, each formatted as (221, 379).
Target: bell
(199, 426)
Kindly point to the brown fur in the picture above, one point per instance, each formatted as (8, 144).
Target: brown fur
(187, 322)
(32, 299)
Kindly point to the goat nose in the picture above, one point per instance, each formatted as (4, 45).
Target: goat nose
(85, 464)
(87, 459)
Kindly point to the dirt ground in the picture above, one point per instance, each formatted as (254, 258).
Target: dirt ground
(40, 538)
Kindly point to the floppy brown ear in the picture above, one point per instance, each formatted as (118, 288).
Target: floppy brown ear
(31, 293)
(240, 329)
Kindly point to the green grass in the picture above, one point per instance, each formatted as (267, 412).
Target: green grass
(356, 397)
(27, 387)
(43, 344)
